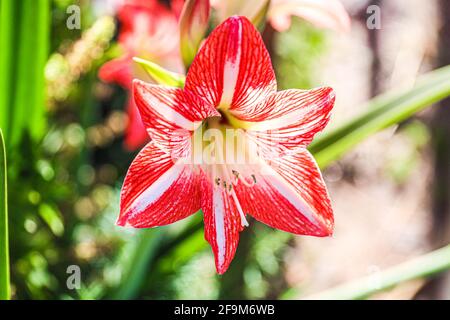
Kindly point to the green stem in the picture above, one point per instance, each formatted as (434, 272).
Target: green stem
(421, 267)
(4, 246)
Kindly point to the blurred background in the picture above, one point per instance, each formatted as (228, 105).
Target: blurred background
(67, 157)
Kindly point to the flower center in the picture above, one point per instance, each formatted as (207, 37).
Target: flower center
(224, 153)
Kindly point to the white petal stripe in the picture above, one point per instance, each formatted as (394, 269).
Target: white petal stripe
(156, 190)
(231, 71)
(168, 113)
(288, 192)
(219, 211)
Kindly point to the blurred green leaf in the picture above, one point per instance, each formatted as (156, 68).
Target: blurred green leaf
(52, 218)
(9, 10)
(164, 246)
(4, 246)
(424, 266)
(292, 71)
(382, 112)
(161, 75)
(24, 39)
(136, 262)
(178, 255)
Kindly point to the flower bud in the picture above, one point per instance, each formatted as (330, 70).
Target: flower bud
(193, 26)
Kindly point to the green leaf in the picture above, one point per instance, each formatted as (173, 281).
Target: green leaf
(152, 247)
(52, 218)
(4, 247)
(161, 75)
(184, 251)
(24, 39)
(137, 259)
(382, 112)
(9, 12)
(424, 266)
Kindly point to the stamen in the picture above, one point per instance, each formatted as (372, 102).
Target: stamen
(231, 192)
(235, 178)
(244, 221)
(221, 172)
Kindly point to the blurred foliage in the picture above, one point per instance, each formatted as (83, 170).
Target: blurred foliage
(404, 160)
(24, 39)
(382, 112)
(298, 52)
(65, 173)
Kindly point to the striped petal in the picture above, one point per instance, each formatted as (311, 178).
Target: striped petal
(232, 69)
(222, 222)
(289, 194)
(170, 115)
(288, 119)
(147, 196)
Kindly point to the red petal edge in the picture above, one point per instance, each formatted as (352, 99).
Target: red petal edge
(233, 66)
(147, 196)
(290, 195)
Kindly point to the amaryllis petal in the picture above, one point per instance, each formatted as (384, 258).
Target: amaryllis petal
(232, 69)
(222, 222)
(329, 14)
(148, 29)
(289, 194)
(289, 119)
(135, 135)
(147, 196)
(177, 7)
(170, 114)
(117, 71)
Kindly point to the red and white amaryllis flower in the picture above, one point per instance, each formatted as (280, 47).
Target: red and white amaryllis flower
(188, 165)
(148, 30)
